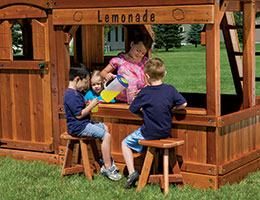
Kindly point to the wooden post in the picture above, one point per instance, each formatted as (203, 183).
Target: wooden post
(166, 170)
(249, 54)
(213, 65)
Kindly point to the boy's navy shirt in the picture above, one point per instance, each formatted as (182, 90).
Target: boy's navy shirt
(157, 103)
(74, 103)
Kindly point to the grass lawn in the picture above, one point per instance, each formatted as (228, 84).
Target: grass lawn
(37, 180)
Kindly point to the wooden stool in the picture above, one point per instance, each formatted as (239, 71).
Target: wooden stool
(78, 167)
(166, 145)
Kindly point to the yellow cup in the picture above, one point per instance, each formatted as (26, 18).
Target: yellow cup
(95, 109)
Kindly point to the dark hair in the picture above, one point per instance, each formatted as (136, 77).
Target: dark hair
(79, 70)
(146, 40)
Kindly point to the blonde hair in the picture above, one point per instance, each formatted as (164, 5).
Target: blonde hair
(96, 75)
(155, 68)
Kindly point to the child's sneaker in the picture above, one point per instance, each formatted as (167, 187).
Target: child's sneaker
(132, 178)
(112, 173)
(103, 168)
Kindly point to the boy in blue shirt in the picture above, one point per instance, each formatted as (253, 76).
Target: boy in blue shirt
(78, 118)
(154, 104)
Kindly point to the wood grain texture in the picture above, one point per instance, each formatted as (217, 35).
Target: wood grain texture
(203, 14)
(249, 55)
(5, 41)
(21, 12)
(213, 66)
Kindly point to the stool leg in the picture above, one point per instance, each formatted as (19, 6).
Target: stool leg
(146, 168)
(85, 158)
(166, 170)
(95, 154)
(68, 156)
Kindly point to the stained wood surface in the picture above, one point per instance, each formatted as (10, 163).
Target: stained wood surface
(236, 5)
(39, 3)
(238, 139)
(58, 126)
(249, 55)
(164, 144)
(21, 12)
(26, 94)
(39, 32)
(213, 65)
(92, 52)
(114, 3)
(133, 15)
(5, 41)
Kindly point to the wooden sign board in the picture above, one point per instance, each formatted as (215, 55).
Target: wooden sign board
(132, 15)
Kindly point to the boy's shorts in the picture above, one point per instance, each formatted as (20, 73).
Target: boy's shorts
(96, 130)
(132, 141)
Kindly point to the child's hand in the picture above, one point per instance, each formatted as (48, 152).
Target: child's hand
(109, 77)
(93, 103)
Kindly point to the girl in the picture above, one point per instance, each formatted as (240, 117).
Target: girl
(96, 83)
(131, 66)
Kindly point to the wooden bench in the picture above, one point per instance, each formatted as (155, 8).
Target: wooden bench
(83, 164)
(165, 178)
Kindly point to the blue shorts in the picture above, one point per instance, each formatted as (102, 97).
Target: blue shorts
(97, 130)
(132, 141)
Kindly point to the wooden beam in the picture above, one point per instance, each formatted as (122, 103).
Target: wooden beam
(132, 3)
(203, 14)
(223, 8)
(21, 11)
(27, 145)
(38, 3)
(54, 45)
(73, 30)
(30, 155)
(236, 6)
(213, 65)
(23, 65)
(249, 54)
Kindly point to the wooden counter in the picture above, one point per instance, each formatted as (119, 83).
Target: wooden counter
(215, 149)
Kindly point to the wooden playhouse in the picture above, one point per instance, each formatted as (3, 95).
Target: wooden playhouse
(221, 132)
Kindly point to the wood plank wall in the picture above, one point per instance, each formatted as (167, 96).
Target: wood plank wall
(5, 41)
(92, 45)
(25, 93)
(238, 139)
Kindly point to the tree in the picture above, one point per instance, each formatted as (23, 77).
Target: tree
(193, 35)
(168, 36)
(239, 22)
(17, 38)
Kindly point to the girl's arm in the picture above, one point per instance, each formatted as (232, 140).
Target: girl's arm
(106, 73)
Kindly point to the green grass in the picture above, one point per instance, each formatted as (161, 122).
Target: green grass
(37, 180)
(186, 69)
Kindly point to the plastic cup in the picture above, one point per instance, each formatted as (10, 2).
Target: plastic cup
(95, 109)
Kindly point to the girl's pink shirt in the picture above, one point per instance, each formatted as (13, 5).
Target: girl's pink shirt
(133, 72)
